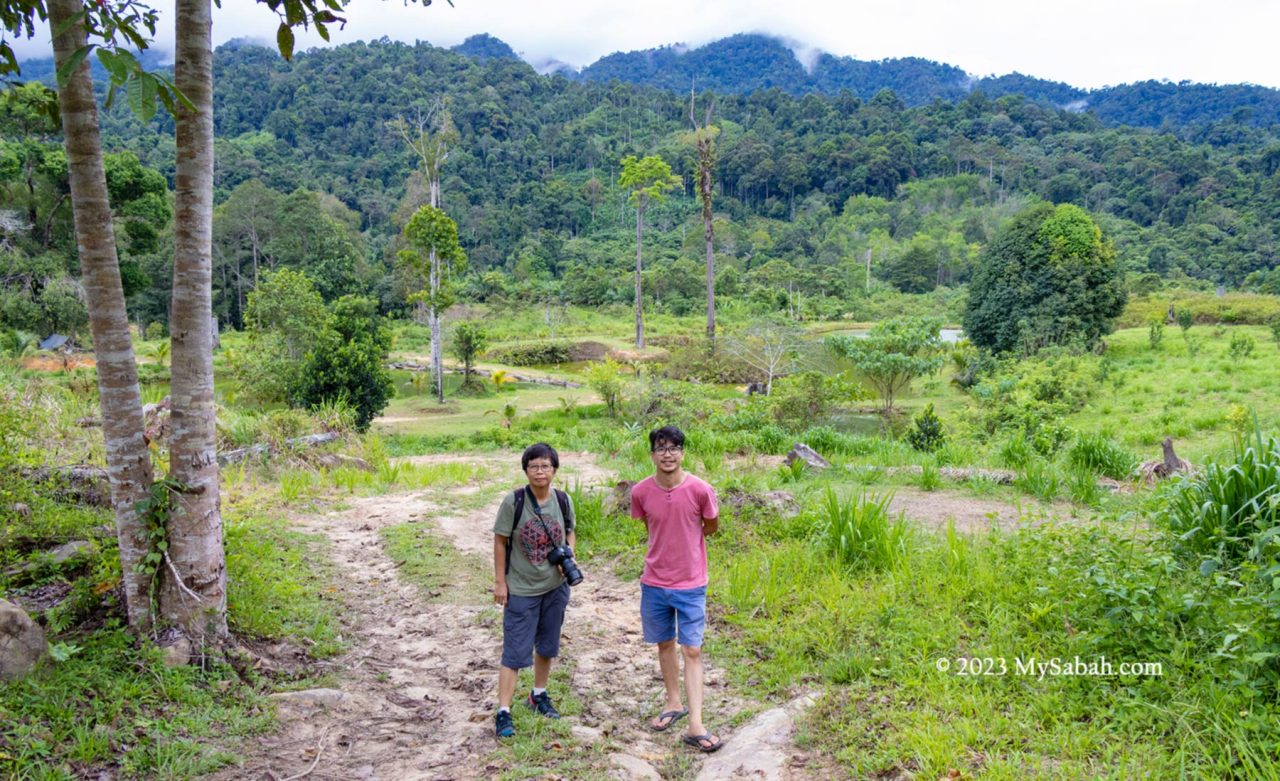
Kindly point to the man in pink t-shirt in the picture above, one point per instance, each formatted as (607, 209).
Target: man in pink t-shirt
(680, 511)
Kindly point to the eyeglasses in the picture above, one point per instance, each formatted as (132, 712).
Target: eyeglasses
(669, 450)
(540, 468)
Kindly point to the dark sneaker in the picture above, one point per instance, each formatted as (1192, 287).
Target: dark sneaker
(503, 726)
(542, 704)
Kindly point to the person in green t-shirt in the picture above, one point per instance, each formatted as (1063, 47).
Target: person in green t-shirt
(532, 590)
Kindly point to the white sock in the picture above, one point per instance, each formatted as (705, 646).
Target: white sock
(504, 710)
(538, 692)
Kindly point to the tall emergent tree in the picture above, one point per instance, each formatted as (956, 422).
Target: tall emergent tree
(648, 179)
(430, 137)
(433, 254)
(1048, 277)
(703, 139)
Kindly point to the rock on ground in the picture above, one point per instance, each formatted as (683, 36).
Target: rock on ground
(760, 750)
(629, 768)
(22, 642)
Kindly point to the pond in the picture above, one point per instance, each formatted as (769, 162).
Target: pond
(949, 335)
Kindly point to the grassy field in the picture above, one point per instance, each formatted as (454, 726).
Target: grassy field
(920, 635)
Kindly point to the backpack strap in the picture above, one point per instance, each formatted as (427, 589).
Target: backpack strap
(519, 512)
(562, 499)
(566, 514)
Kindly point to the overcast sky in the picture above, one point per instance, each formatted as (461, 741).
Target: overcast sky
(1088, 43)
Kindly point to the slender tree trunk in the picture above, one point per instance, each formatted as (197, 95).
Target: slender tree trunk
(708, 231)
(639, 303)
(128, 460)
(193, 592)
(437, 351)
(433, 313)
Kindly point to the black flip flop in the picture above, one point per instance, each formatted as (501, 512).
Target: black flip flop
(672, 716)
(696, 742)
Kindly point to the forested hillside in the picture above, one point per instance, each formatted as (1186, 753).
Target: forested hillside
(745, 63)
(808, 188)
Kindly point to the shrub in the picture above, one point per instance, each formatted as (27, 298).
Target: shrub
(154, 330)
(532, 353)
(1155, 333)
(1241, 347)
(1032, 397)
(928, 434)
(605, 379)
(695, 362)
(280, 425)
(1101, 456)
(807, 397)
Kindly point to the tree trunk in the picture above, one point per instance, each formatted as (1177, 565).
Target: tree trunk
(193, 591)
(128, 460)
(639, 304)
(433, 313)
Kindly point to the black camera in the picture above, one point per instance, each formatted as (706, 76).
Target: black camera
(562, 557)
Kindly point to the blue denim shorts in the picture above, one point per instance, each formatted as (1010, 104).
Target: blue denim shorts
(664, 610)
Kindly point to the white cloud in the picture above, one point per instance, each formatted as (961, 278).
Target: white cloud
(1089, 43)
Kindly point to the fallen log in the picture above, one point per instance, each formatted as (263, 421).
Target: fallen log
(262, 448)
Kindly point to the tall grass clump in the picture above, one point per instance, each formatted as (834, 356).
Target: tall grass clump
(1040, 478)
(1230, 513)
(1101, 455)
(862, 534)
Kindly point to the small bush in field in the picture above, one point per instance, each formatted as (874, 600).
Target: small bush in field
(928, 434)
(1241, 347)
(1155, 333)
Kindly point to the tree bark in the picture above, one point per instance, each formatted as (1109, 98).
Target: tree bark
(193, 592)
(128, 460)
(433, 313)
(639, 301)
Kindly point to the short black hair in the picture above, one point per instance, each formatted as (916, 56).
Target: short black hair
(539, 450)
(669, 434)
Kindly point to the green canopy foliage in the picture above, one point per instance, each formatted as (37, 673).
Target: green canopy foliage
(1048, 277)
(893, 354)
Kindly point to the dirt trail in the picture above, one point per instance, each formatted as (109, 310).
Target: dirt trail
(416, 692)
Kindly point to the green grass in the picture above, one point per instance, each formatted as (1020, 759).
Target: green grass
(112, 708)
(426, 558)
(277, 588)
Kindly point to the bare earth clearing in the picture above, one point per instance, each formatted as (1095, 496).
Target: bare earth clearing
(416, 691)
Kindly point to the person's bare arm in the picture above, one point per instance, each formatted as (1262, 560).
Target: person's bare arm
(710, 526)
(500, 569)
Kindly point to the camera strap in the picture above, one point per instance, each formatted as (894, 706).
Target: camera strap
(566, 514)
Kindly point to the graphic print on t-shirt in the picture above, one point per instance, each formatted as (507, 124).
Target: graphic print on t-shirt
(533, 539)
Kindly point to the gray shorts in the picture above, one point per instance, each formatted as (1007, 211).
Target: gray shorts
(533, 622)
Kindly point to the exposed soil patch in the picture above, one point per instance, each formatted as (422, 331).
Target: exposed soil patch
(933, 509)
(45, 363)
